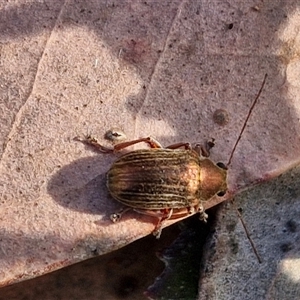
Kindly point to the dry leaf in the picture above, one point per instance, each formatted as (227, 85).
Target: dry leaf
(149, 68)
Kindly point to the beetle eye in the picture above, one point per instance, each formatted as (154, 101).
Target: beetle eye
(221, 194)
(222, 166)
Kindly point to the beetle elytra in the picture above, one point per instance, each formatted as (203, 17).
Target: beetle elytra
(167, 183)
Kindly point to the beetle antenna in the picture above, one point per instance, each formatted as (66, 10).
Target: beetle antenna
(247, 232)
(229, 161)
(245, 123)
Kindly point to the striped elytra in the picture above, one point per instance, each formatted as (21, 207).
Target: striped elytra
(154, 179)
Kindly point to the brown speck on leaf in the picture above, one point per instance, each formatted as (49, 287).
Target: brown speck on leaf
(230, 26)
(221, 117)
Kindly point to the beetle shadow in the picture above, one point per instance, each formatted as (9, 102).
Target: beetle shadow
(81, 186)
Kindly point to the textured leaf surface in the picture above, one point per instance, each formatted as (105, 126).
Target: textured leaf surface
(150, 68)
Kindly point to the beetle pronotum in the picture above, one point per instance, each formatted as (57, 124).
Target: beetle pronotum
(166, 183)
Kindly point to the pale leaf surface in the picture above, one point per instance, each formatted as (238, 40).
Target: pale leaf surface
(150, 68)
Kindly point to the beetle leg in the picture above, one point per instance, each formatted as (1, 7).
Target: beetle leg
(203, 215)
(149, 140)
(183, 212)
(186, 146)
(200, 149)
(205, 150)
(177, 215)
(161, 215)
(93, 142)
(158, 228)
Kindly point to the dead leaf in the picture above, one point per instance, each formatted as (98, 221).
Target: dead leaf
(149, 68)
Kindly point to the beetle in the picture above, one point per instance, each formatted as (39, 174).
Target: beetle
(167, 183)
(164, 182)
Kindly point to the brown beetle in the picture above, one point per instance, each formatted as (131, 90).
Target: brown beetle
(166, 183)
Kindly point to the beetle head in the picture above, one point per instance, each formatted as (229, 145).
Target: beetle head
(213, 179)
